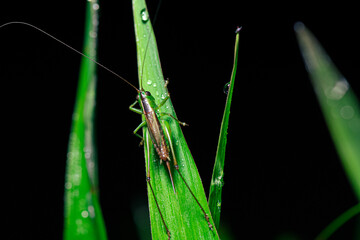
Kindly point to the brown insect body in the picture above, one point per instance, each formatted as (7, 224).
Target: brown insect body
(152, 116)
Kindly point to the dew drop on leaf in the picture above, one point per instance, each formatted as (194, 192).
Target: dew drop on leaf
(226, 88)
(144, 15)
(95, 6)
(84, 214)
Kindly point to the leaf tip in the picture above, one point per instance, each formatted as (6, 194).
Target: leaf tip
(299, 27)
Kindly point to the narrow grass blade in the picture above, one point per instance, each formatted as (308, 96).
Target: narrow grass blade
(218, 171)
(338, 222)
(338, 102)
(183, 216)
(83, 217)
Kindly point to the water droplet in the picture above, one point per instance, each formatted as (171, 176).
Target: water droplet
(84, 214)
(68, 185)
(339, 90)
(347, 112)
(93, 34)
(154, 85)
(218, 204)
(144, 15)
(149, 82)
(91, 165)
(219, 181)
(96, 6)
(226, 88)
(91, 210)
(163, 96)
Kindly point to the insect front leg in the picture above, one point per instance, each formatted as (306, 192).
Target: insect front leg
(163, 102)
(135, 110)
(138, 111)
(168, 114)
(143, 124)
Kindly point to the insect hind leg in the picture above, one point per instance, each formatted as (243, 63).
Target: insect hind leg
(197, 201)
(148, 180)
(157, 205)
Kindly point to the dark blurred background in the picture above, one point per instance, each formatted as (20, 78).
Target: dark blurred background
(283, 177)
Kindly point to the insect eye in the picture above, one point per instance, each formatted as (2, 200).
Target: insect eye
(148, 93)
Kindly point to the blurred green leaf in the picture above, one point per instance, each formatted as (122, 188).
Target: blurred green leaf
(338, 103)
(182, 215)
(338, 222)
(217, 181)
(83, 217)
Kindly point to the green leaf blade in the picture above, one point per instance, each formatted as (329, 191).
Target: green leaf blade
(217, 181)
(182, 215)
(338, 103)
(83, 217)
(338, 222)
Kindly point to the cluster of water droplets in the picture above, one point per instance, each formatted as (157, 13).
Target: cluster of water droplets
(150, 83)
(335, 94)
(95, 22)
(219, 180)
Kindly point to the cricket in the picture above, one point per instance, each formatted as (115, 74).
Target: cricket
(155, 127)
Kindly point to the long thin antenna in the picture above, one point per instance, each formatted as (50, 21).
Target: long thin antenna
(66, 45)
(143, 64)
(148, 41)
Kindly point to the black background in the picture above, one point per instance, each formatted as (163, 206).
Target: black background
(282, 174)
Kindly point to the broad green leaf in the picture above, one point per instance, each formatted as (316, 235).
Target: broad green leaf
(182, 215)
(338, 103)
(83, 217)
(217, 181)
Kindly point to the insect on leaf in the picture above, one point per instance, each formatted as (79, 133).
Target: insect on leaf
(182, 215)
